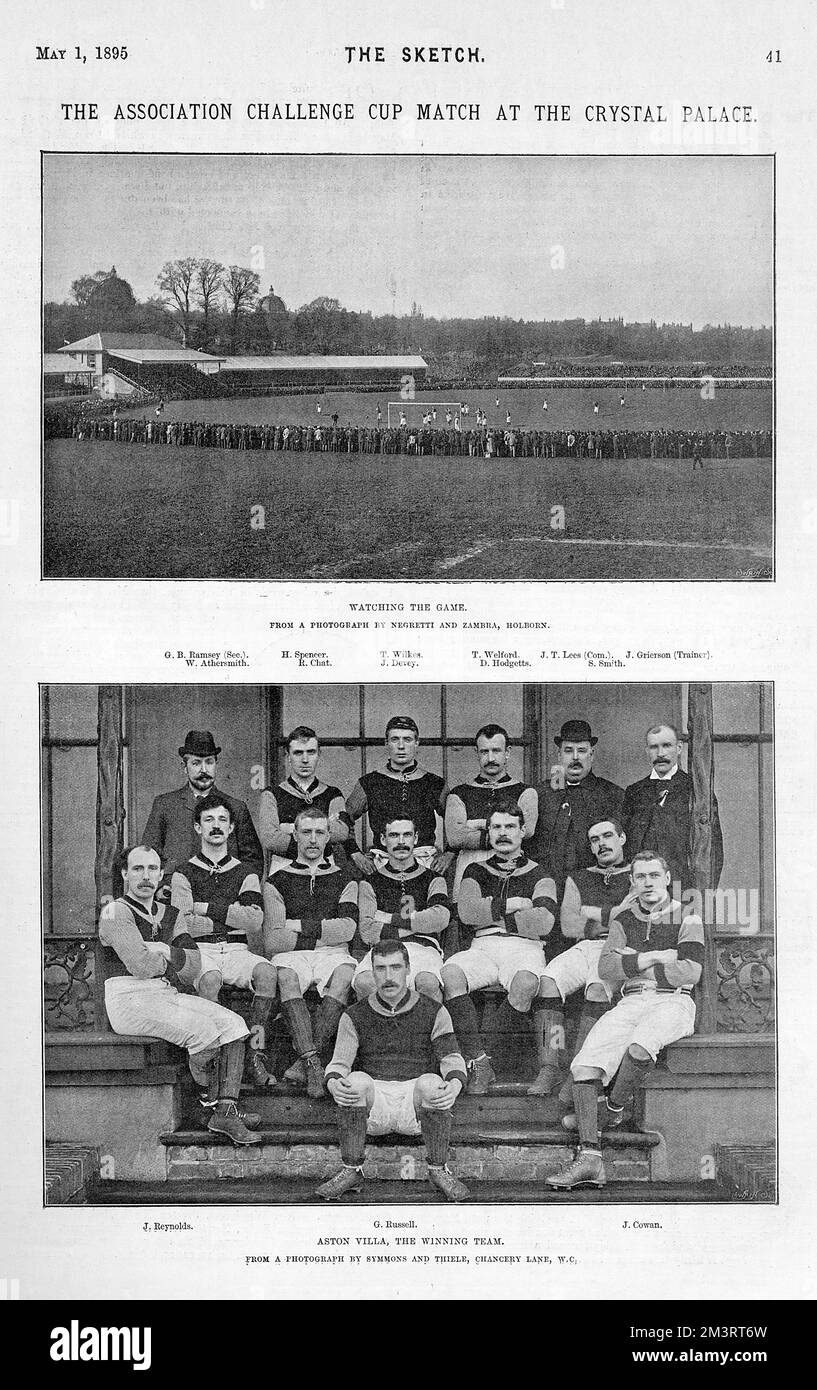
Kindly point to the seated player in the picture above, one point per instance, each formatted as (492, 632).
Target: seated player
(654, 955)
(404, 788)
(149, 963)
(404, 901)
(409, 1074)
(589, 898)
(219, 902)
(510, 901)
(310, 916)
(301, 787)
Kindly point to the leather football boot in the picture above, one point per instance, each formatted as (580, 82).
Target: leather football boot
(586, 1170)
(345, 1180)
(452, 1189)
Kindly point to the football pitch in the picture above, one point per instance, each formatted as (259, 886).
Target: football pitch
(568, 407)
(115, 510)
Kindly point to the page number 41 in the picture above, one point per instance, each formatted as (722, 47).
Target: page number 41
(773, 55)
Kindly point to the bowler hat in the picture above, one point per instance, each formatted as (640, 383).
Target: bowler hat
(199, 743)
(575, 731)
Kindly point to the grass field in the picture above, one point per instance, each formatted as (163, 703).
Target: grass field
(123, 511)
(733, 408)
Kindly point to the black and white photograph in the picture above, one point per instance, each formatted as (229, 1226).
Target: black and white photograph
(397, 945)
(408, 367)
(407, 529)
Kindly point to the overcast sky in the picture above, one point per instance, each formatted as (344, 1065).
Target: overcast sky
(675, 238)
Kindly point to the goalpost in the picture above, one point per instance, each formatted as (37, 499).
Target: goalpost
(413, 412)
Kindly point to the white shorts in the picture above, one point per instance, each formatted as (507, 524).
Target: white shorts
(393, 1109)
(494, 960)
(423, 960)
(314, 967)
(577, 968)
(650, 1019)
(232, 960)
(157, 1010)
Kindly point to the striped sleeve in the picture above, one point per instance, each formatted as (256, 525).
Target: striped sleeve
(571, 919)
(118, 930)
(356, 803)
(434, 917)
(447, 1049)
(472, 908)
(537, 921)
(346, 1046)
(337, 930)
(280, 934)
(181, 893)
(338, 827)
(460, 833)
(686, 970)
(269, 824)
(529, 806)
(618, 961)
(369, 919)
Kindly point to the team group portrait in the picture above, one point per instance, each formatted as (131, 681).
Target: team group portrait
(409, 367)
(408, 943)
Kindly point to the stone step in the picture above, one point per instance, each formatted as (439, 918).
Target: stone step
(248, 1191)
(71, 1174)
(506, 1154)
(501, 1105)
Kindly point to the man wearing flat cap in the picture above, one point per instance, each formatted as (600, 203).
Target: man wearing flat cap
(169, 828)
(571, 801)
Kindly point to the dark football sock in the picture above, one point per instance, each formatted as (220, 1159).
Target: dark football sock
(352, 1129)
(326, 1023)
(260, 1010)
(230, 1069)
(299, 1024)
(466, 1030)
(589, 1016)
(630, 1078)
(548, 1017)
(436, 1127)
(202, 1068)
(586, 1102)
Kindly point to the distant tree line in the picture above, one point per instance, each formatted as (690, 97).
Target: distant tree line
(215, 308)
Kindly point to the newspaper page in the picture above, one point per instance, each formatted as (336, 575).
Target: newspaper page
(407, 539)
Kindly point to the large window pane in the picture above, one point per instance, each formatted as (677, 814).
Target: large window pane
(420, 702)
(471, 706)
(72, 711)
(736, 707)
(333, 711)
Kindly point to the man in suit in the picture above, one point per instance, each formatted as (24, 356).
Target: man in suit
(569, 803)
(657, 811)
(170, 829)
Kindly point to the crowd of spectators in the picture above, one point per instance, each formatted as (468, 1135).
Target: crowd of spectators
(424, 441)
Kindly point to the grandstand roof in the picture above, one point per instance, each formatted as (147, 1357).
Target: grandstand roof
(281, 362)
(113, 342)
(160, 355)
(56, 365)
